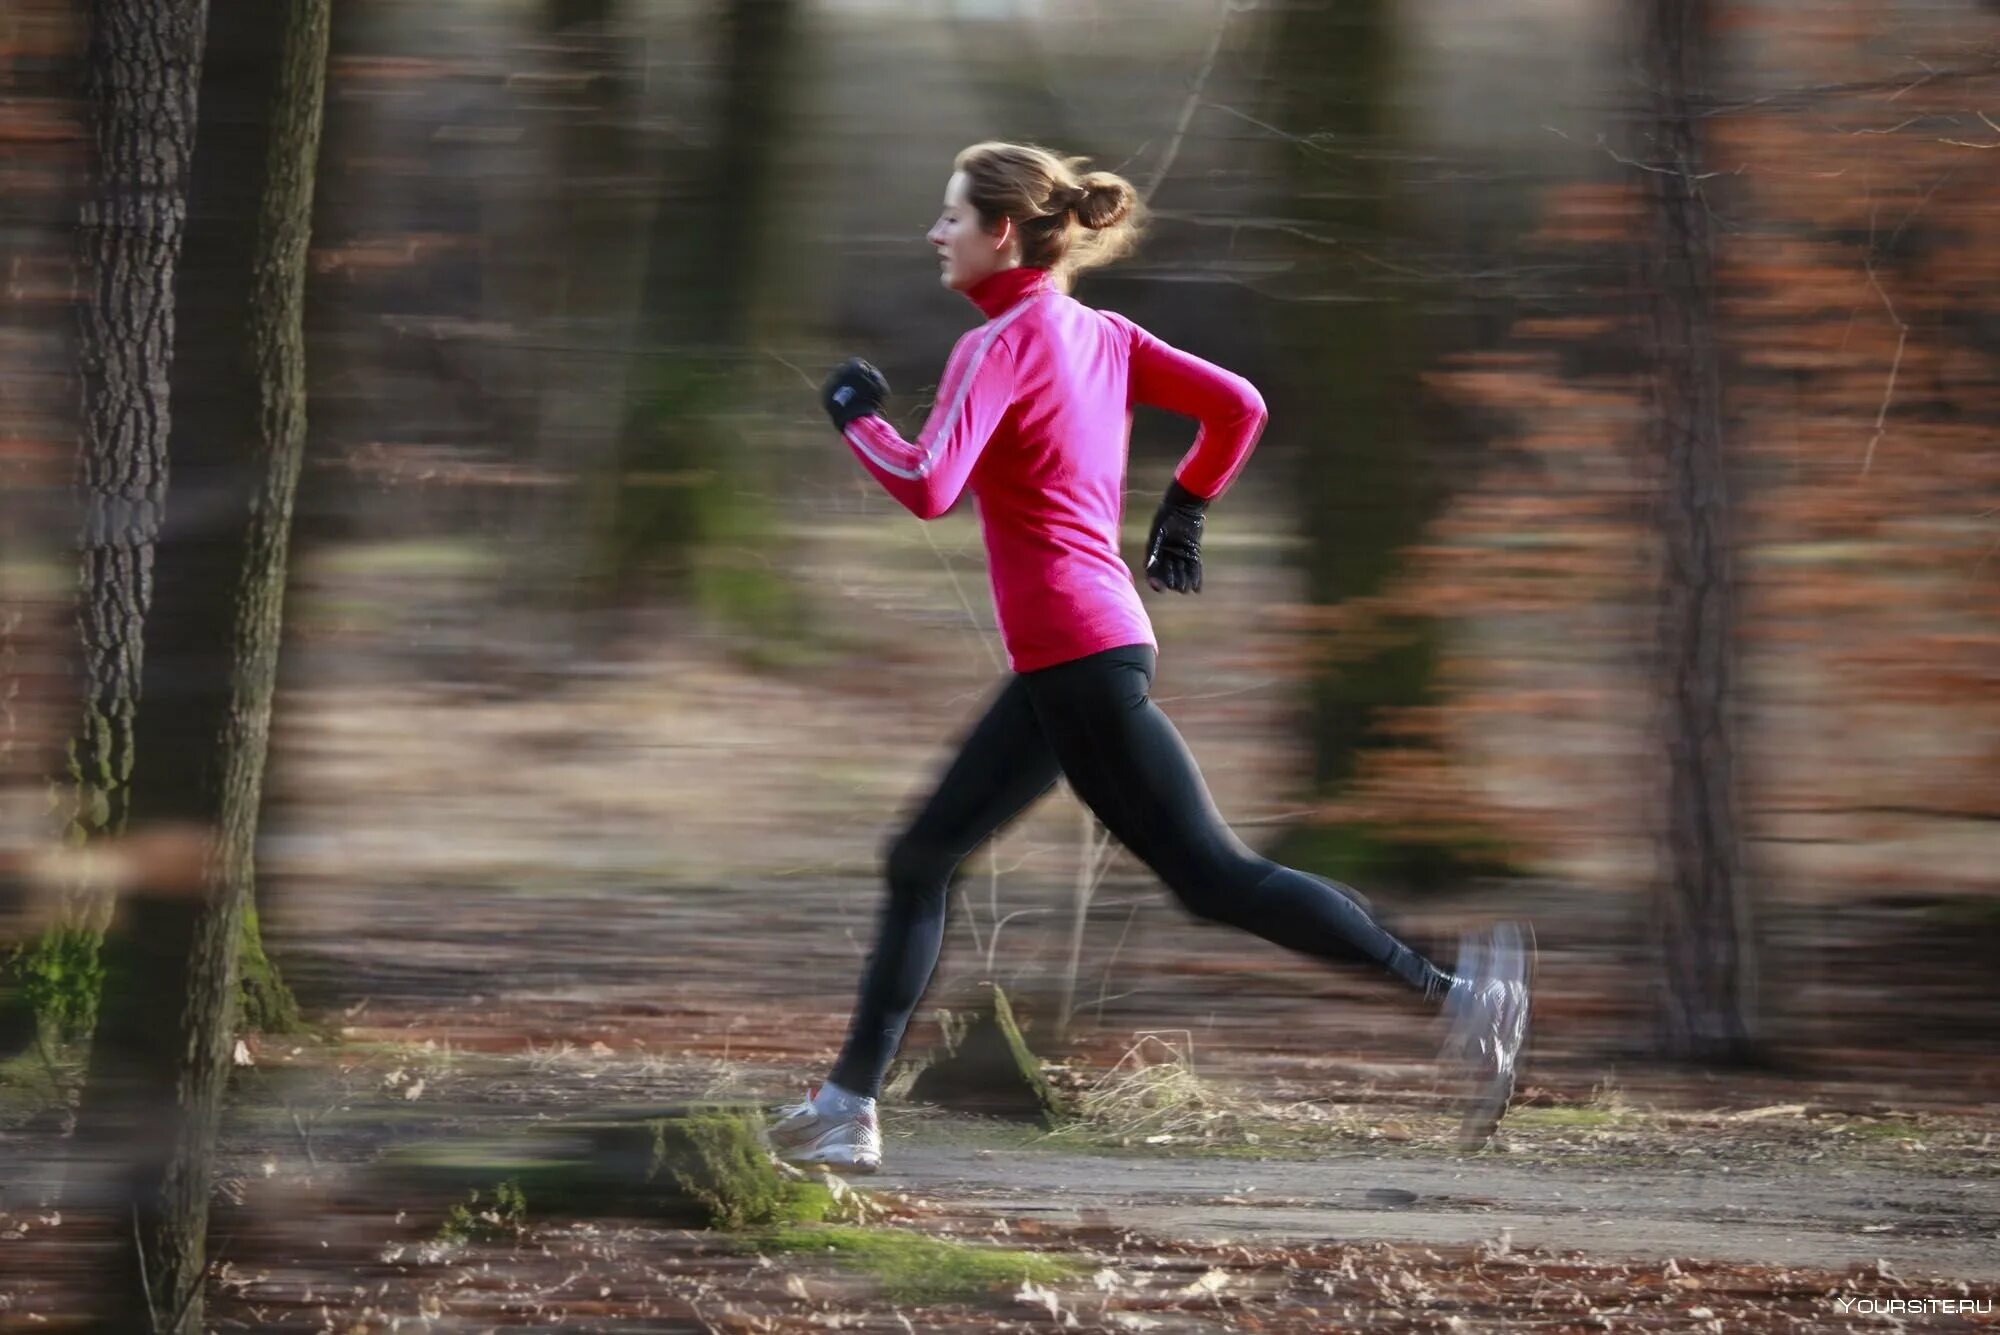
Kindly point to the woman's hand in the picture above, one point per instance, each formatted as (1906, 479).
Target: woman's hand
(1173, 548)
(854, 390)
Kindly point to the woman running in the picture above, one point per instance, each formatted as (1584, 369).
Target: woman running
(1033, 416)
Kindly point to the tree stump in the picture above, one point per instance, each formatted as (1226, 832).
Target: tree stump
(987, 1068)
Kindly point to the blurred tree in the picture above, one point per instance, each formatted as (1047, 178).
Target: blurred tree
(43, 173)
(684, 501)
(1350, 376)
(1703, 900)
(1862, 390)
(161, 1057)
(140, 71)
(240, 396)
(582, 251)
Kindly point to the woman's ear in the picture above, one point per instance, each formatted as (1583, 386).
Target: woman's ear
(1005, 235)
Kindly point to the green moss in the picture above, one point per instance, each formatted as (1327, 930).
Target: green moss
(1888, 1129)
(917, 1269)
(1565, 1117)
(268, 1005)
(694, 1168)
(502, 1214)
(58, 978)
(717, 1159)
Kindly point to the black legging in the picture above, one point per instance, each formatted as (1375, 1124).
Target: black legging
(1091, 720)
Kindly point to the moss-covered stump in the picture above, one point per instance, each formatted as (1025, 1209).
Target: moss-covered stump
(694, 1167)
(986, 1067)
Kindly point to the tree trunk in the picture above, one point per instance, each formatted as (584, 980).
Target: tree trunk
(162, 1056)
(589, 219)
(276, 441)
(1365, 489)
(141, 68)
(141, 72)
(681, 504)
(1702, 904)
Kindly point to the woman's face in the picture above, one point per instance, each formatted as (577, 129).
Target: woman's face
(966, 251)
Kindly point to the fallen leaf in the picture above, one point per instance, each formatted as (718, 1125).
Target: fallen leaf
(1034, 1295)
(1214, 1281)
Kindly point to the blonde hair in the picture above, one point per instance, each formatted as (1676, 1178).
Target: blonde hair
(1068, 220)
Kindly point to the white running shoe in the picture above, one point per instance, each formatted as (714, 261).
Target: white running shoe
(1487, 1011)
(849, 1140)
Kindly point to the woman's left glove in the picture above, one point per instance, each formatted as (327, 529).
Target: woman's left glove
(854, 390)
(1173, 548)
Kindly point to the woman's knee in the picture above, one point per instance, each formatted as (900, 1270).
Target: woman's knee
(918, 868)
(1215, 888)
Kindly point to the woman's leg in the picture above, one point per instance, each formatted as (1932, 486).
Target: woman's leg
(1003, 765)
(1128, 763)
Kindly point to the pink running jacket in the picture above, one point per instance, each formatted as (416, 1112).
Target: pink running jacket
(1034, 413)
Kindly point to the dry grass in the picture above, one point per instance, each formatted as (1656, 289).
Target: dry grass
(1153, 1095)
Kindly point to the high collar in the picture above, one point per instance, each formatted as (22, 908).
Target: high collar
(996, 292)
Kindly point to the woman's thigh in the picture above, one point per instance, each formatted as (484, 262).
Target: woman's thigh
(1131, 767)
(1003, 764)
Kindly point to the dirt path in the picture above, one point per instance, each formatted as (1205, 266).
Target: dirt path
(1921, 1224)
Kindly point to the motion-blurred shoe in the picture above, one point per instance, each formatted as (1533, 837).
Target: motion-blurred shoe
(1486, 1013)
(831, 1128)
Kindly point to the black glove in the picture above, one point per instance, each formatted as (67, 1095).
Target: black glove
(855, 390)
(1173, 548)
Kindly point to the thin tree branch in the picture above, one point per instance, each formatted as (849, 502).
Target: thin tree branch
(1815, 91)
(1189, 105)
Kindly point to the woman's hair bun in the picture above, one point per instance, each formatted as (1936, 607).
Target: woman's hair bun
(1105, 200)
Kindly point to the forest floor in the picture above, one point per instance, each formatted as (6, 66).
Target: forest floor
(504, 906)
(1263, 1179)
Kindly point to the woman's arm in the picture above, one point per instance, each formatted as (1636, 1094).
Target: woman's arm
(1228, 407)
(927, 475)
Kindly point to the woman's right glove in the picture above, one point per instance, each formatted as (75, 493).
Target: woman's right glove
(1173, 548)
(854, 391)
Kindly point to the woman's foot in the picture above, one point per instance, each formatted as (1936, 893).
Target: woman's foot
(1487, 1012)
(830, 1127)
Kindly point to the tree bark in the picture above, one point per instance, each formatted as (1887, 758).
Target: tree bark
(1702, 900)
(141, 71)
(162, 1056)
(276, 441)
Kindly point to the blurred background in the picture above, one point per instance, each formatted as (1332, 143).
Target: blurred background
(1622, 552)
